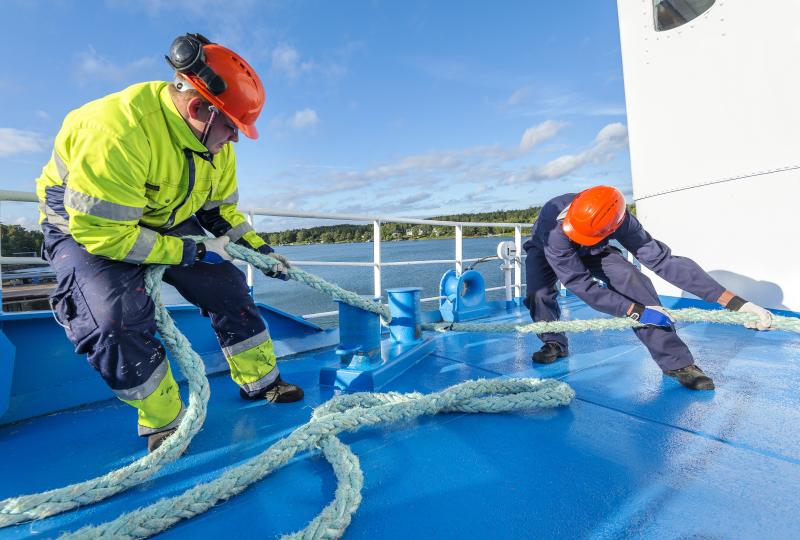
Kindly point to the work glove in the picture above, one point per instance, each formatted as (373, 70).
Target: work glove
(212, 251)
(743, 306)
(652, 316)
(279, 271)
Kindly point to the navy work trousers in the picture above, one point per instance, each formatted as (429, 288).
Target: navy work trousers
(666, 348)
(108, 315)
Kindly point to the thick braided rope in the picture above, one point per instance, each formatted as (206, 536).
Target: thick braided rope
(342, 414)
(265, 262)
(789, 324)
(40, 505)
(52, 502)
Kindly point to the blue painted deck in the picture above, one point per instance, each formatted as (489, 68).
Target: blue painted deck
(635, 454)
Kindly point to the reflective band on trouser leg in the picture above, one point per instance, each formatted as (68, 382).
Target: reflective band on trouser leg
(162, 409)
(253, 363)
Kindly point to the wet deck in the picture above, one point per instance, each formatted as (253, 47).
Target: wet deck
(635, 454)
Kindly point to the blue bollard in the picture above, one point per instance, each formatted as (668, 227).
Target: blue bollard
(404, 305)
(366, 364)
(463, 296)
(359, 334)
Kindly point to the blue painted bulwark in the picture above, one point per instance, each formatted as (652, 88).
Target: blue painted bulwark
(463, 296)
(7, 354)
(48, 376)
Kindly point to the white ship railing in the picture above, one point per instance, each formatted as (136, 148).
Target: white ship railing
(514, 290)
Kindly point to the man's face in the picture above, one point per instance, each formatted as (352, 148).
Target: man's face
(221, 133)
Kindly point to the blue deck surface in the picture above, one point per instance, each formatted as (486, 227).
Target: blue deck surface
(635, 454)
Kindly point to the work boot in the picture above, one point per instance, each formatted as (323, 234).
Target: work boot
(155, 440)
(692, 377)
(549, 353)
(278, 392)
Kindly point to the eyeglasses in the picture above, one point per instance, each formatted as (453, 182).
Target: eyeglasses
(229, 124)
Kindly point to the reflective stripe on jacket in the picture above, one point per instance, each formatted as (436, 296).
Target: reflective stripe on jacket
(127, 165)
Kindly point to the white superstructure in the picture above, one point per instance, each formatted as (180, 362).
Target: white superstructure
(714, 118)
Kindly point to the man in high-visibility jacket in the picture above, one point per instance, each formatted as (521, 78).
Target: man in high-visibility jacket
(132, 174)
(570, 243)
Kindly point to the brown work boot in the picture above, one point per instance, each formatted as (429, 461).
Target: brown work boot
(549, 353)
(155, 440)
(692, 377)
(278, 392)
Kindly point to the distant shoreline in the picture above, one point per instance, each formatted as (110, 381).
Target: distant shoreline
(442, 237)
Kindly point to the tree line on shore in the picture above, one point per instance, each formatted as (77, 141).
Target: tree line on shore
(404, 231)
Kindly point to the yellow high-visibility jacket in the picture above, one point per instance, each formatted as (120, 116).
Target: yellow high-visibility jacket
(127, 166)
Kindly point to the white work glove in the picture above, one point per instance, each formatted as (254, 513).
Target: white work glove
(212, 251)
(283, 260)
(764, 317)
(279, 270)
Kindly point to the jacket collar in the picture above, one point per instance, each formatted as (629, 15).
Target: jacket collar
(182, 134)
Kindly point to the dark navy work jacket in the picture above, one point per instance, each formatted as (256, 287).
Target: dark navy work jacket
(564, 257)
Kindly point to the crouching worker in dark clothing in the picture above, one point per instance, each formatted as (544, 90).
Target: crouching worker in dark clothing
(570, 243)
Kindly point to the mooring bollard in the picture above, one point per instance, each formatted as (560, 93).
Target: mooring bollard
(404, 305)
(359, 334)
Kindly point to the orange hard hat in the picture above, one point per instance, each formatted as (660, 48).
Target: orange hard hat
(222, 77)
(594, 214)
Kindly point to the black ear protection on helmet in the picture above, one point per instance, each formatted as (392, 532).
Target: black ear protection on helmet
(186, 56)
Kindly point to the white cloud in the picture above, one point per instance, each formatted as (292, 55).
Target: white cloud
(93, 66)
(417, 197)
(16, 141)
(539, 133)
(518, 96)
(610, 138)
(286, 59)
(616, 133)
(412, 184)
(26, 222)
(307, 118)
(42, 115)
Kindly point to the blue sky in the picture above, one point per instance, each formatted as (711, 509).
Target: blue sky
(412, 108)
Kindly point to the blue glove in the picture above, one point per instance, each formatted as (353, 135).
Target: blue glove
(652, 316)
(212, 251)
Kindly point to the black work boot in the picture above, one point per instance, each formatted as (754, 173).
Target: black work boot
(692, 377)
(549, 353)
(278, 392)
(155, 440)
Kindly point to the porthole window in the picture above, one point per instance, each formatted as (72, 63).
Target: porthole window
(669, 14)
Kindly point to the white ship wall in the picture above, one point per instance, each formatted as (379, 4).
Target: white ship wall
(714, 120)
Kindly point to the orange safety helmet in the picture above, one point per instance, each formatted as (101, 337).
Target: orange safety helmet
(594, 214)
(222, 77)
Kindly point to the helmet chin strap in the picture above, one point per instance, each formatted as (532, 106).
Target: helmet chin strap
(213, 112)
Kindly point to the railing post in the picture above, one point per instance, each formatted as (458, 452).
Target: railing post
(250, 288)
(459, 250)
(518, 262)
(376, 259)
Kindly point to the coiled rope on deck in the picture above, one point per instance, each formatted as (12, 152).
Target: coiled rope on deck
(55, 501)
(332, 521)
(341, 414)
(48, 503)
